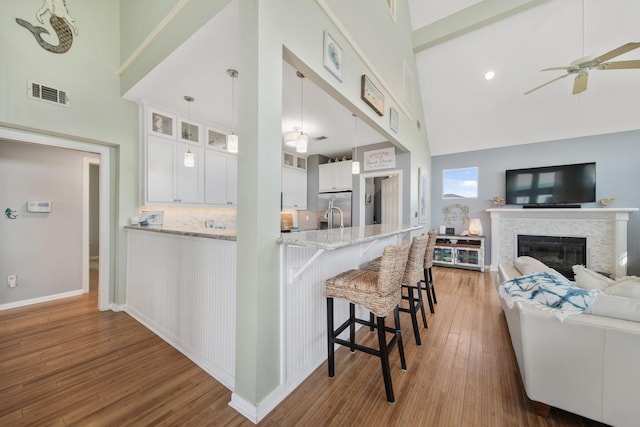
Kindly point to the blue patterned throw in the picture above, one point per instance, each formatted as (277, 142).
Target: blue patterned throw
(552, 292)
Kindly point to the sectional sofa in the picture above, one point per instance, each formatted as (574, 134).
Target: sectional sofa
(586, 363)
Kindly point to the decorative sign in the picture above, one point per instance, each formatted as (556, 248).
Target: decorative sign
(384, 158)
(61, 22)
(371, 95)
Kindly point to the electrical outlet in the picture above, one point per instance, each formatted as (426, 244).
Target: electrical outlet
(12, 281)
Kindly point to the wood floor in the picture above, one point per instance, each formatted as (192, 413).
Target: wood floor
(65, 363)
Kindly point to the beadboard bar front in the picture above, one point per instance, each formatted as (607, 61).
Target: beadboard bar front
(183, 288)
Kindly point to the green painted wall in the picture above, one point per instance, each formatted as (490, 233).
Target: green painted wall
(88, 72)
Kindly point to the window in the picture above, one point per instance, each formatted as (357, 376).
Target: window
(460, 183)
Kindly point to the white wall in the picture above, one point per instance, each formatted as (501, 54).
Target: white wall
(43, 249)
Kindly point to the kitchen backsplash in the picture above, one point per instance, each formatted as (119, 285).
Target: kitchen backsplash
(194, 218)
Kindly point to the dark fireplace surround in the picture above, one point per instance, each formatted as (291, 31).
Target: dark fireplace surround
(559, 253)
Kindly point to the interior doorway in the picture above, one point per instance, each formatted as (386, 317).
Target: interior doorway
(90, 222)
(381, 198)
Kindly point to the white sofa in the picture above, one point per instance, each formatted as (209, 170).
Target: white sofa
(588, 364)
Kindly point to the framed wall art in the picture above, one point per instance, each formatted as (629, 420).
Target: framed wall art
(371, 95)
(332, 56)
(393, 120)
(161, 124)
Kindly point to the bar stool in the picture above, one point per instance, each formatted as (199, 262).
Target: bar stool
(428, 274)
(379, 292)
(411, 282)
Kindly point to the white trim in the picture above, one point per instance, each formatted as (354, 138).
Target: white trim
(38, 300)
(105, 191)
(343, 29)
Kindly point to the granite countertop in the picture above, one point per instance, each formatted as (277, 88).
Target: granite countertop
(211, 233)
(339, 238)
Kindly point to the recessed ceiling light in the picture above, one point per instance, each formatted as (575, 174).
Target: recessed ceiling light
(489, 75)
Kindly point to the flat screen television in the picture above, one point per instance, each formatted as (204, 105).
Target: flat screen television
(552, 185)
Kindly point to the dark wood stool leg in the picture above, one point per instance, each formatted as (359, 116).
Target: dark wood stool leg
(352, 327)
(330, 348)
(396, 318)
(424, 316)
(384, 358)
(414, 317)
(371, 322)
(427, 285)
(433, 289)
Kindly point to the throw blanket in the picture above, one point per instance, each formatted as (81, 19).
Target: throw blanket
(550, 291)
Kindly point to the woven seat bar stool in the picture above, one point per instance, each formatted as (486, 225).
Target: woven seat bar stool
(411, 282)
(428, 274)
(379, 292)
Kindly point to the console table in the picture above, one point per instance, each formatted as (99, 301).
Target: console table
(459, 251)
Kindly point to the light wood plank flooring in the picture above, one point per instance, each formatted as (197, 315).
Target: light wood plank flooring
(65, 363)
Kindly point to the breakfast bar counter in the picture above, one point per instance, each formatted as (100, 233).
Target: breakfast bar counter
(308, 259)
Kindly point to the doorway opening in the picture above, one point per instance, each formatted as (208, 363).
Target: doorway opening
(380, 198)
(90, 224)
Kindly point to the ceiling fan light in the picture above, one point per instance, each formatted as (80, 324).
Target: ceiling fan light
(302, 142)
(232, 143)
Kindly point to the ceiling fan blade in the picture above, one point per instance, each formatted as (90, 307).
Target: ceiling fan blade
(544, 84)
(617, 51)
(566, 68)
(619, 65)
(580, 83)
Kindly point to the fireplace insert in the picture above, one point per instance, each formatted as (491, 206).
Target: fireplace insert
(558, 252)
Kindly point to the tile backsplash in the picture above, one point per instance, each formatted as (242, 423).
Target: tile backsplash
(194, 218)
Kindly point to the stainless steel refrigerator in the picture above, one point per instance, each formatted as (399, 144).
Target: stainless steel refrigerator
(340, 202)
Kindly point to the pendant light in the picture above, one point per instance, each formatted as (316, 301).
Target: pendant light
(232, 139)
(302, 140)
(355, 164)
(189, 158)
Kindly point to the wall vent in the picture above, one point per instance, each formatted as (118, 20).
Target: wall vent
(48, 94)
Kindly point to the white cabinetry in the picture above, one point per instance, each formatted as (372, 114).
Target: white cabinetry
(459, 251)
(168, 181)
(294, 188)
(335, 176)
(221, 178)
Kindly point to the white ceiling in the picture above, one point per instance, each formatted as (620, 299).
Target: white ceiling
(463, 112)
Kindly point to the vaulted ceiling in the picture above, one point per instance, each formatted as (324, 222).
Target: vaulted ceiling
(456, 43)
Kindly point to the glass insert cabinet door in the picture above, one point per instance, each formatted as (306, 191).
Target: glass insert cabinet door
(467, 256)
(443, 255)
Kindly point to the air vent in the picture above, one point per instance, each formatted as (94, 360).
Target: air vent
(320, 138)
(48, 94)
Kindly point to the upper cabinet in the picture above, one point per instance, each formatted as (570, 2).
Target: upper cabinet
(178, 169)
(294, 181)
(335, 176)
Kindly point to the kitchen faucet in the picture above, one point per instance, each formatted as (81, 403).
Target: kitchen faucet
(329, 216)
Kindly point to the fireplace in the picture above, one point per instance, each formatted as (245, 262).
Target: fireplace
(559, 253)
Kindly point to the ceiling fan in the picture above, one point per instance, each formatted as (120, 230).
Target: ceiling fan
(581, 67)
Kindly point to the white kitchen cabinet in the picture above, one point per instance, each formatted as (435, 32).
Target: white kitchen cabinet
(335, 176)
(168, 181)
(221, 178)
(294, 188)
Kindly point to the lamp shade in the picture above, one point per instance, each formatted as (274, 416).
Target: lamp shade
(475, 227)
(291, 139)
(301, 147)
(232, 143)
(355, 167)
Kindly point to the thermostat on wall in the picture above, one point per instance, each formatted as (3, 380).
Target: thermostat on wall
(38, 206)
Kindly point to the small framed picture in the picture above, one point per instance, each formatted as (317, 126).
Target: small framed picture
(161, 124)
(371, 95)
(190, 132)
(332, 56)
(393, 119)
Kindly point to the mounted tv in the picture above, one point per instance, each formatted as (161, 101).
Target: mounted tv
(552, 186)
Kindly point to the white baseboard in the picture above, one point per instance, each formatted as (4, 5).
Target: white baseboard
(38, 300)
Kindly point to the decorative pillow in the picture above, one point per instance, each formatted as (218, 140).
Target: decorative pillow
(628, 286)
(528, 265)
(589, 279)
(616, 307)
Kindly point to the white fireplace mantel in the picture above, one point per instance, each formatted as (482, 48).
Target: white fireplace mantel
(604, 228)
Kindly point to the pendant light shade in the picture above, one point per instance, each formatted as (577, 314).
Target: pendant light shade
(232, 139)
(302, 140)
(189, 158)
(355, 164)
